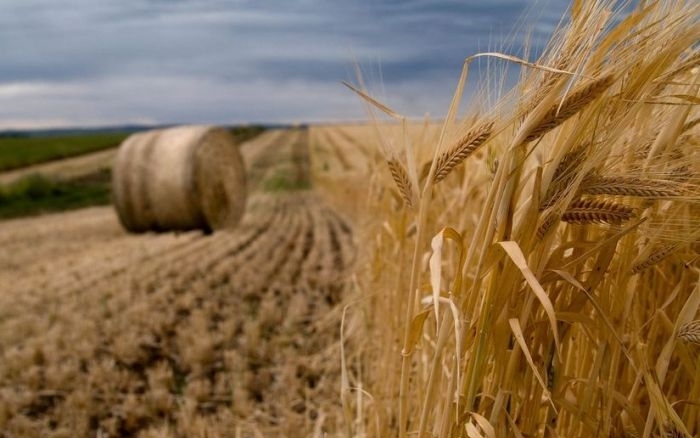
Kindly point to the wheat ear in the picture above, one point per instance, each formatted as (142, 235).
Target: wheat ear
(585, 211)
(630, 186)
(690, 332)
(464, 147)
(572, 104)
(398, 172)
(655, 257)
(550, 78)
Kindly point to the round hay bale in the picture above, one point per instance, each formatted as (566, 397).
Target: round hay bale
(183, 178)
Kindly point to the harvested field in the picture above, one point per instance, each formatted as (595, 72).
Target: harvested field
(278, 159)
(232, 334)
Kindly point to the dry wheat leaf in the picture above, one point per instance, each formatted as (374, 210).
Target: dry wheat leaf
(516, 255)
(514, 426)
(415, 331)
(610, 243)
(520, 338)
(436, 272)
(435, 264)
(473, 431)
(484, 424)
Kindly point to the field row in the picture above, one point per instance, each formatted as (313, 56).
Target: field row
(175, 334)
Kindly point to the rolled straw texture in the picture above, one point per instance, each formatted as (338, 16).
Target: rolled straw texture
(183, 178)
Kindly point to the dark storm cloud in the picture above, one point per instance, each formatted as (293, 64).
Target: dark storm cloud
(88, 62)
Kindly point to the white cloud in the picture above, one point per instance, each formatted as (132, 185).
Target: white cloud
(12, 93)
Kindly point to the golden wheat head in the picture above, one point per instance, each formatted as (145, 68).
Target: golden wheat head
(690, 332)
(586, 211)
(464, 147)
(403, 183)
(572, 104)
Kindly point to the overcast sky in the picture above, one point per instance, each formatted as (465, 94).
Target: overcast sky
(109, 62)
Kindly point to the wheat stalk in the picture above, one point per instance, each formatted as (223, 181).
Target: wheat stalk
(571, 105)
(464, 147)
(690, 332)
(630, 186)
(398, 172)
(655, 257)
(584, 211)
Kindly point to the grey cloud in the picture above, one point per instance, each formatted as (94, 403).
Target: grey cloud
(186, 60)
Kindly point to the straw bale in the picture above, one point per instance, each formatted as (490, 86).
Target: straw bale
(182, 178)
